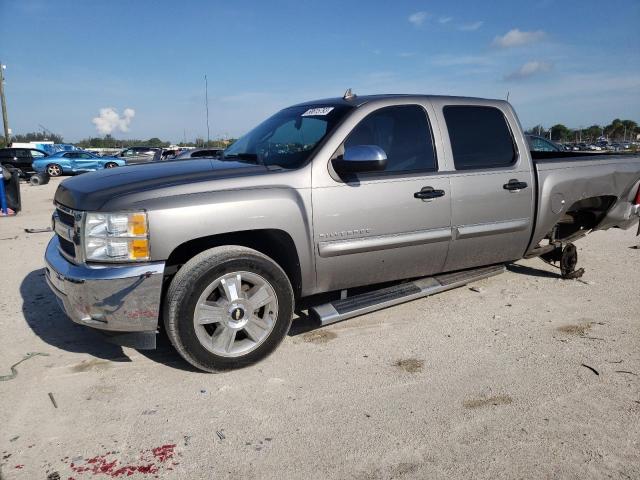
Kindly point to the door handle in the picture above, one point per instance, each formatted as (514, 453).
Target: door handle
(514, 185)
(427, 193)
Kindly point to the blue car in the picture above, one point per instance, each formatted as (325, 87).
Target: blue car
(76, 161)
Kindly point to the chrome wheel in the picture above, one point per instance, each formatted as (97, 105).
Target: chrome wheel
(235, 314)
(54, 170)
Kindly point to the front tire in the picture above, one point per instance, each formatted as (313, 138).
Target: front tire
(111, 165)
(228, 307)
(54, 170)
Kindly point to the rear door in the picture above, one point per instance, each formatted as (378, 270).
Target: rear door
(492, 186)
(23, 159)
(372, 228)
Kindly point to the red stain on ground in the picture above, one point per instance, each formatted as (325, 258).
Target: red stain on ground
(149, 462)
(19, 467)
(164, 453)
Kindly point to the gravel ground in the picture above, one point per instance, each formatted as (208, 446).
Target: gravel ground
(528, 377)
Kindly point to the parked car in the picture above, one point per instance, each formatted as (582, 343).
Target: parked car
(77, 161)
(135, 155)
(21, 158)
(200, 153)
(540, 144)
(221, 253)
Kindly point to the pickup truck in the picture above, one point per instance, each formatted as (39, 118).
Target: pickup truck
(369, 200)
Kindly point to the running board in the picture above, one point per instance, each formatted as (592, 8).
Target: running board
(349, 307)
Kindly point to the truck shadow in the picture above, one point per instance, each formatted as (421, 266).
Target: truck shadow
(46, 319)
(532, 272)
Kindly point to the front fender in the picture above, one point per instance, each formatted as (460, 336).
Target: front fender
(204, 214)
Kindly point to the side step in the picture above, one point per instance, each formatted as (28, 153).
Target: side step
(339, 310)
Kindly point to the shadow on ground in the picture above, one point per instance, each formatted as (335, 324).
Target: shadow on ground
(47, 320)
(532, 272)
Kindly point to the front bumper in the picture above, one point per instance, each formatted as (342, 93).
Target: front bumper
(116, 298)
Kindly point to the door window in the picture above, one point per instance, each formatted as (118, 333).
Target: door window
(85, 156)
(23, 154)
(480, 137)
(403, 132)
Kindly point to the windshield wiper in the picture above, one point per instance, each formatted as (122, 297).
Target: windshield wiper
(243, 156)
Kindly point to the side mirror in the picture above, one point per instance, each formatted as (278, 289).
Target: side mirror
(361, 158)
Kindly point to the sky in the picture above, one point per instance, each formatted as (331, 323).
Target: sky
(136, 69)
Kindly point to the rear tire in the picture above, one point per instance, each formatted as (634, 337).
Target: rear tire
(54, 170)
(228, 307)
(39, 179)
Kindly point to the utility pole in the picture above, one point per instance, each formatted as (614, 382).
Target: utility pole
(206, 99)
(5, 120)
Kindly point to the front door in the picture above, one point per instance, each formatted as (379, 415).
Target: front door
(83, 162)
(492, 187)
(379, 227)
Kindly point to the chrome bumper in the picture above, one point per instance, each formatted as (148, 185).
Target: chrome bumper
(114, 298)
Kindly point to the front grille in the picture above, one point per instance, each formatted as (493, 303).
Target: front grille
(67, 247)
(68, 232)
(67, 218)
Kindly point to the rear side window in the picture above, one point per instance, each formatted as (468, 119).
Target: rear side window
(403, 132)
(480, 137)
(6, 153)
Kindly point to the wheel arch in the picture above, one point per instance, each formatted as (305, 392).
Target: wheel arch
(274, 243)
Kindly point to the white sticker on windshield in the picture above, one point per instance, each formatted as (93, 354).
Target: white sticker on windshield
(317, 111)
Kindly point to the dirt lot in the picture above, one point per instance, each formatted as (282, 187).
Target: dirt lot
(529, 377)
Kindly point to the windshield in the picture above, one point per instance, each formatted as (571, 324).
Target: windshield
(288, 138)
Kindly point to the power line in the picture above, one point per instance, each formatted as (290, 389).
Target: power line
(3, 100)
(206, 97)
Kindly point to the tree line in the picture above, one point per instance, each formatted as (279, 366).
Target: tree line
(109, 141)
(617, 130)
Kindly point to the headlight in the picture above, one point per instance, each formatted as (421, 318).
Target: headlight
(116, 237)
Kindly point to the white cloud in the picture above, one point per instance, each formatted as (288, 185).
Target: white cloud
(444, 19)
(529, 69)
(470, 27)
(516, 38)
(418, 18)
(406, 54)
(110, 121)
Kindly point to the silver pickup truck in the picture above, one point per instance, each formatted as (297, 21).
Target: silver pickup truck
(406, 195)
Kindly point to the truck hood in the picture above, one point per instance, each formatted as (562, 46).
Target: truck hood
(90, 191)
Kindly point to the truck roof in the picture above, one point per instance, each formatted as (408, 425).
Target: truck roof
(358, 100)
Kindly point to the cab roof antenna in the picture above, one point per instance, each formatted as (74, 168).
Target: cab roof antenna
(349, 95)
